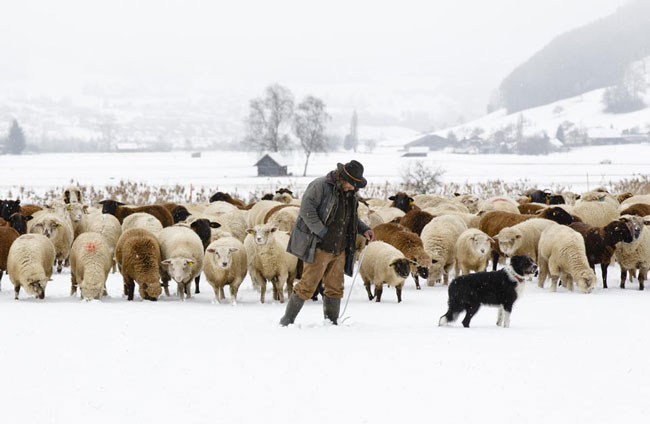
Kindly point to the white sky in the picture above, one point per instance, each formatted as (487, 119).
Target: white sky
(459, 49)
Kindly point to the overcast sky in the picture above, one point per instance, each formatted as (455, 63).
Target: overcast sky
(453, 49)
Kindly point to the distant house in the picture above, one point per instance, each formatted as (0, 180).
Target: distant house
(269, 167)
(416, 152)
(128, 147)
(431, 141)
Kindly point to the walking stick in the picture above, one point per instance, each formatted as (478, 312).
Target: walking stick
(354, 279)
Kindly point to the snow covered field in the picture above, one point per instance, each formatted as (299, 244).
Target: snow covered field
(567, 358)
(234, 171)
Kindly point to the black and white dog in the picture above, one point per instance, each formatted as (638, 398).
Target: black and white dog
(498, 288)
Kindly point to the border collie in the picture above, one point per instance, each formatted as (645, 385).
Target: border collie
(498, 288)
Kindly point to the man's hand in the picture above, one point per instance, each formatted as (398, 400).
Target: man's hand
(369, 235)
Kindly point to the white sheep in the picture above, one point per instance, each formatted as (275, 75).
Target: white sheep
(523, 238)
(470, 201)
(388, 214)
(284, 219)
(635, 255)
(225, 264)
(72, 194)
(424, 201)
(259, 210)
(471, 220)
(473, 251)
(268, 260)
(181, 258)
(596, 213)
(219, 207)
(235, 223)
(142, 220)
(439, 237)
(384, 264)
(106, 225)
(562, 254)
(90, 261)
(58, 231)
(29, 264)
(499, 203)
(639, 198)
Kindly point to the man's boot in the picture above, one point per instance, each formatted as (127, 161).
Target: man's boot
(331, 308)
(294, 305)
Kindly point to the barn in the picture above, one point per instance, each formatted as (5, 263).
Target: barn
(267, 166)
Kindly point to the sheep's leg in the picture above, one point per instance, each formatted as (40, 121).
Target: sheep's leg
(623, 277)
(234, 288)
(398, 290)
(216, 294)
(262, 290)
(280, 282)
(222, 294)
(59, 266)
(543, 272)
(114, 266)
(367, 285)
(188, 289)
(554, 279)
(73, 287)
(130, 287)
(196, 282)
(66, 263)
(379, 288)
(1, 274)
(416, 277)
(16, 291)
(642, 276)
(603, 270)
(289, 288)
(276, 297)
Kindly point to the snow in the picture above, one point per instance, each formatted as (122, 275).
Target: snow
(567, 357)
(578, 169)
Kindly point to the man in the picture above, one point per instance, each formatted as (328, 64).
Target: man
(324, 238)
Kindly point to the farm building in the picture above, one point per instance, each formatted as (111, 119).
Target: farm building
(267, 166)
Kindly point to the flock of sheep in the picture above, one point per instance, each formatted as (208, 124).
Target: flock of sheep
(425, 236)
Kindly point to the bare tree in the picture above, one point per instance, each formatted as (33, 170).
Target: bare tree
(269, 119)
(310, 122)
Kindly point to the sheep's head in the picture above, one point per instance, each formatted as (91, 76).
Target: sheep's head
(110, 206)
(18, 222)
(471, 202)
(555, 199)
(36, 285)
(9, 207)
(76, 211)
(283, 197)
(402, 267)
(220, 196)
(180, 213)
(423, 261)
(586, 281)
(203, 228)
(150, 290)
(47, 227)
(402, 201)
(618, 231)
(635, 224)
(510, 240)
(223, 255)
(481, 244)
(179, 268)
(556, 214)
(262, 233)
(71, 194)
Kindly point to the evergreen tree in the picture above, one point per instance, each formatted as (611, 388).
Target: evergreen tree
(16, 140)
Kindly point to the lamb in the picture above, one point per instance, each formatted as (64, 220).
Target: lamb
(225, 263)
(118, 210)
(504, 204)
(7, 237)
(403, 202)
(225, 197)
(138, 257)
(17, 221)
(268, 260)
(142, 220)
(204, 229)
(416, 220)
(439, 238)
(72, 194)
(635, 255)
(638, 209)
(182, 258)
(492, 223)
(257, 213)
(106, 225)
(29, 264)
(283, 218)
(409, 244)
(58, 231)
(600, 243)
(596, 213)
(562, 255)
(523, 238)
(473, 249)
(90, 261)
(384, 264)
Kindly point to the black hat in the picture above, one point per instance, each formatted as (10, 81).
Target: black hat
(352, 172)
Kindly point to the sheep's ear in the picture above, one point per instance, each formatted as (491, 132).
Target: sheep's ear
(251, 231)
(214, 225)
(578, 196)
(492, 240)
(530, 198)
(233, 249)
(646, 221)
(166, 263)
(210, 250)
(434, 261)
(495, 238)
(28, 218)
(194, 224)
(518, 236)
(274, 229)
(539, 212)
(103, 202)
(456, 194)
(391, 198)
(120, 203)
(411, 201)
(84, 208)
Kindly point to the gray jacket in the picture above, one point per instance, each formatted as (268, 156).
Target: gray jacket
(316, 209)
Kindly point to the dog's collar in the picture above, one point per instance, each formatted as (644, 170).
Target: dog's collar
(511, 271)
(518, 278)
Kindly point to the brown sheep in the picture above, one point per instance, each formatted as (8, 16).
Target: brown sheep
(600, 243)
(179, 213)
(638, 209)
(623, 196)
(403, 202)
(530, 208)
(138, 258)
(29, 210)
(409, 244)
(7, 237)
(225, 197)
(120, 212)
(416, 220)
